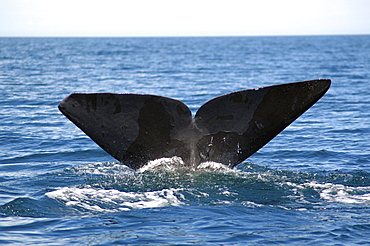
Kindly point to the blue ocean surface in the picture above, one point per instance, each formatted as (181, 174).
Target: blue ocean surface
(309, 186)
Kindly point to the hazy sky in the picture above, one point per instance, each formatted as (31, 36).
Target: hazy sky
(179, 17)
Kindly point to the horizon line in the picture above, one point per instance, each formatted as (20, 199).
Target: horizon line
(175, 36)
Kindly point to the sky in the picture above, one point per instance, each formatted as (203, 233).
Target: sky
(183, 17)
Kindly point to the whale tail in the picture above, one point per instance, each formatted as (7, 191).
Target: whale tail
(136, 129)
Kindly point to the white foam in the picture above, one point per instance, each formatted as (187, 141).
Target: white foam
(213, 166)
(251, 204)
(101, 200)
(341, 193)
(169, 164)
(176, 163)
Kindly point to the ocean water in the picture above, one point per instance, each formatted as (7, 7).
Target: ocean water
(309, 186)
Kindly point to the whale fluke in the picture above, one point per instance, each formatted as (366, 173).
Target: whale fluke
(136, 129)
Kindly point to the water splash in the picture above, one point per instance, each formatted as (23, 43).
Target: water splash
(168, 182)
(100, 200)
(168, 164)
